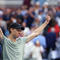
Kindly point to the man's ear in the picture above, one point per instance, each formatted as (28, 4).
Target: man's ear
(11, 29)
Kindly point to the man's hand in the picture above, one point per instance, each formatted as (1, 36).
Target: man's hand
(48, 18)
(1, 34)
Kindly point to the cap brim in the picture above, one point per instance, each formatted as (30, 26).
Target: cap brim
(21, 28)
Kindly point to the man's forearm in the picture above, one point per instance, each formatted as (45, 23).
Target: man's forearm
(39, 29)
(1, 34)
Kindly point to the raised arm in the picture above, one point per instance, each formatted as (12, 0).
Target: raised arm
(39, 29)
(1, 34)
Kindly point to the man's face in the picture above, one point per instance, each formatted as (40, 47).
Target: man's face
(17, 32)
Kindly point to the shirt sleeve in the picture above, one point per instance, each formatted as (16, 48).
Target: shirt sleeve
(2, 40)
(22, 39)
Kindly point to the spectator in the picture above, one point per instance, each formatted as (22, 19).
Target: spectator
(54, 26)
(37, 7)
(37, 51)
(50, 41)
(30, 17)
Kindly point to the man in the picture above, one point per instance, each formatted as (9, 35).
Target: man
(13, 45)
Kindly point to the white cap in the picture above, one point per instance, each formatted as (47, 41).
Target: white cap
(1, 12)
(37, 3)
(45, 3)
(37, 42)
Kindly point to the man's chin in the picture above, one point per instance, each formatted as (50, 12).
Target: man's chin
(20, 36)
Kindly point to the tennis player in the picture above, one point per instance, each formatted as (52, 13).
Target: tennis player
(13, 45)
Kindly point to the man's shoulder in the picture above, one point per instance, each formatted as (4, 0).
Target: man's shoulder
(22, 38)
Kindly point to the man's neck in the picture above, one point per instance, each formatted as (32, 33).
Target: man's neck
(12, 37)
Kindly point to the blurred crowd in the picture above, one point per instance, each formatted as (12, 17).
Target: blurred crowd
(47, 44)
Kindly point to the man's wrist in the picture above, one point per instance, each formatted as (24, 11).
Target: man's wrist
(46, 21)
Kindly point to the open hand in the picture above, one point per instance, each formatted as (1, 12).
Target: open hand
(48, 18)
